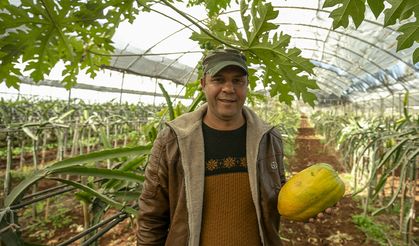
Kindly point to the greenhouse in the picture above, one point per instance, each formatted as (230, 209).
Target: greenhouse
(91, 91)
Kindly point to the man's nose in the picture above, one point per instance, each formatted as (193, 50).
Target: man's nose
(228, 86)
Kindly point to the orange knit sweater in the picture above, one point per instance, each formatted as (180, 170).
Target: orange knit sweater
(229, 215)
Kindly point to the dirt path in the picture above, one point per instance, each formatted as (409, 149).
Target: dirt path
(334, 229)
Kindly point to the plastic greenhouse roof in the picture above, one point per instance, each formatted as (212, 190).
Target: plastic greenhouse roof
(134, 61)
(357, 64)
(350, 62)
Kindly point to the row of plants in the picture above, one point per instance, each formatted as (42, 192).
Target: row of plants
(32, 129)
(381, 153)
(24, 113)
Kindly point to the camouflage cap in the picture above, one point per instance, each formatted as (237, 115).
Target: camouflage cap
(221, 58)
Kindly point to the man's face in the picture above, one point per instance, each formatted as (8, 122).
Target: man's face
(226, 93)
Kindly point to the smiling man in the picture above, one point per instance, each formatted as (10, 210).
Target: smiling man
(225, 88)
(214, 175)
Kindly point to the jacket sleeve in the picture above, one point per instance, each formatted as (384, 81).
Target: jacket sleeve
(279, 148)
(154, 215)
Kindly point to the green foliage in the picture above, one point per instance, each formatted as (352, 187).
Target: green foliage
(284, 117)
(373, 231)
(375, 149)
(399, 10)
(41, 228)
(353, 8)
(283, 71)
(44, 32)
(213, 6)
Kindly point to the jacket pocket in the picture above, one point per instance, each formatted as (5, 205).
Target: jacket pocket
(271, 172)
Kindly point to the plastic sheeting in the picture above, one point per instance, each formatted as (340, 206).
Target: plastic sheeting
(134, 61)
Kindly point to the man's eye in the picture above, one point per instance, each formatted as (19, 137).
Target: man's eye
(238, 82)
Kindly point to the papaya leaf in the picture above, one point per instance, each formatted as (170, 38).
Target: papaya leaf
(400, 9)
(376, 6)
(213, 6)
(42, 34)
(410, 34)
(415, 57)
(262, 13)
(340, 15)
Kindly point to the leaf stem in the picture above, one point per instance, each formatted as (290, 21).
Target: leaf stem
(199, 26)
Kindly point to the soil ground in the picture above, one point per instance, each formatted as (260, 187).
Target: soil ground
(336, 228)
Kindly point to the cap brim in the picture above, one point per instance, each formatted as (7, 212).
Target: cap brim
(213, 71)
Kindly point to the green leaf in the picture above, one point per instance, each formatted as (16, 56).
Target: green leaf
(410, 34)
(127, 166)
(104, 138)
(99, 195)
(397, 192)
(9, 236)
(392, 151)
(22, 186)
(127, 196)
(49, 32)
(213, 6)
(66, 114)
(100, 172)
(400, 9)
(415, 56)
(353, 8)
(98, 156)
(245, 18)
(266, 51)
(168, 101)
(411, 9)
(196, 101)
(30, 133)
(83, 197)
(376, 6)
(262, 13)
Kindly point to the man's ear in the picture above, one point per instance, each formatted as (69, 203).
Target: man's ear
(203, 82)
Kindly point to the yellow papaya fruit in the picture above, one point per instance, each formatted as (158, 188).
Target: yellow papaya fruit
(310, 192)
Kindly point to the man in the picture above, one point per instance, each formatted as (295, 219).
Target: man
(214, 175)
